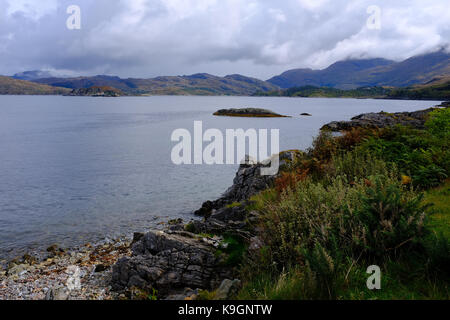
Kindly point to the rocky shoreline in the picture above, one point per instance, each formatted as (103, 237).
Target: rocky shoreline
(49, 275)
(177, 262)
(382, 119)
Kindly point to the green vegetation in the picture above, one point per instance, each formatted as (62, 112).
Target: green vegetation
(439, 91)
(440, 218)
(361, 199)
(323, 92)
(233, 248)
(432, 91)
(16, 87)
(234, 205)
(422, 154)
(196, 84)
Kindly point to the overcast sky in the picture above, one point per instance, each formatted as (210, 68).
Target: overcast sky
(260, 38)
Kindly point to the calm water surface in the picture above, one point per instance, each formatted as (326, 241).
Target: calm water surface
(75, 169)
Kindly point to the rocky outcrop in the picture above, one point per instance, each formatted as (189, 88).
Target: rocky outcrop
(248, 112)
(247, 183)
(169, 262)
(415, 119)
(182, 257)
(97, 92)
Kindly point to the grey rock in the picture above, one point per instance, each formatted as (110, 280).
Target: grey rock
(415, 119)
(247, 183)
(18, 269)
(167, 262)
(228, 289)
(137, 236)
(58, 294)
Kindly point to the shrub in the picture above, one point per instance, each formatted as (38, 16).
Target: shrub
(288, 180)
(417, 153)
(324, 146)
(375, 216)
(359, 165)
(389, 220)
(439, 123)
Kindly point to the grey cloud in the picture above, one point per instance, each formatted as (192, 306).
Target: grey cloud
(144, 38)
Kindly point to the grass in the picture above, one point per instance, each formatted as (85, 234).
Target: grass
(259, 201)
(234, 250)
(440, 219)
(233, 205)
(400, 280)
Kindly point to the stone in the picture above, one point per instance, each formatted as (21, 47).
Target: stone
(101, 268)
(137, 236)
(58, 294)
(18, 270)
(255, 244)
(53, 248)
(228, 289)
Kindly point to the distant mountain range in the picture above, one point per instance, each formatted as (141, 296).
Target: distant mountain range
(345, 75)
(352, 74)
(197, 84)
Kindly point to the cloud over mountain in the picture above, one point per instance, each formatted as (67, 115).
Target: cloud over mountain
(144, 38)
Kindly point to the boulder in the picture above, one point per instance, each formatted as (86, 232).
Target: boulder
(169, 262)
(228, 289)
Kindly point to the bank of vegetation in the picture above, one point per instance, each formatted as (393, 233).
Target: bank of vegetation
(369, 197)
(434, 91)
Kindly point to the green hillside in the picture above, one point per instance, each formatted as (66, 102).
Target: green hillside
(197, 84)
(13, 86)
(431, 91)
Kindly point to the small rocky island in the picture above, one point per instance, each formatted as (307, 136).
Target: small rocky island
(249, 112)
(96, 92)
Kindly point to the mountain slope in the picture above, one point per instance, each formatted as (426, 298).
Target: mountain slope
(416, 70)
(197, 84)
(351, 74)
(13, 86)
(340, 74)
